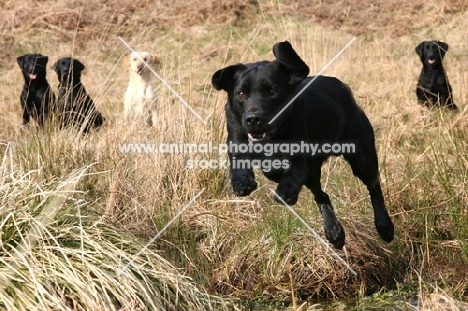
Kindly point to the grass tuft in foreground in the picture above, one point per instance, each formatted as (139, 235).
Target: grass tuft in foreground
(57, 253)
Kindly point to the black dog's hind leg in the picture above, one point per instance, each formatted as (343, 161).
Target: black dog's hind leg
(333, 229)
(449, 103)
(364, 164)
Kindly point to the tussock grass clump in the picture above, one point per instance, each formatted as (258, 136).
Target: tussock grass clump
(267, 266)
(57, 253)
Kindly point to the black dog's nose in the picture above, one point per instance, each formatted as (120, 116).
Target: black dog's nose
(254, 118)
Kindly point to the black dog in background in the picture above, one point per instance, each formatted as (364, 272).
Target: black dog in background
(76, 108)
(326, 112)
(36, 97)
(433, 87)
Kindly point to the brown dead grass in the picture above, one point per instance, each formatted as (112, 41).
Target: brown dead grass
(98, 20)
(112, 17)
(370, 18)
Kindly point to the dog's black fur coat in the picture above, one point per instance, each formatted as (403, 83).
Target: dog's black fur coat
(433, 88)
(36, 96)
(326, 112)
(76, 108)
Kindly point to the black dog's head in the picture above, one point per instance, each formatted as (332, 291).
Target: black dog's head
(432, 52)
(257, 92)
(33, 66)
(68, 70)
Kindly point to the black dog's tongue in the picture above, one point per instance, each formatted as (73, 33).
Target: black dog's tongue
(32, 76)
(431, 61)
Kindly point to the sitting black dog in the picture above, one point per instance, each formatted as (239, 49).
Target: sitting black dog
(36, 96)
(433, 87)
(75, 106)
(325, 112)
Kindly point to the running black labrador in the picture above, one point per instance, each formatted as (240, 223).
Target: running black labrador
(76, 108)
(36, 96)
(433, 87)
(325, 112)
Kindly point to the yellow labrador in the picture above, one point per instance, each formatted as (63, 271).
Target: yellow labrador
(140, 99)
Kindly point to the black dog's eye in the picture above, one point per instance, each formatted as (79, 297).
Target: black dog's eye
(241, 95)
(273, 92)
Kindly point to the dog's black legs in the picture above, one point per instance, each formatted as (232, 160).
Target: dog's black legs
(333, 229)
(365, 166)
(292, 180)
(383, 223)
(242, 181)
(449, 102)
(42, 118)
(25, 116)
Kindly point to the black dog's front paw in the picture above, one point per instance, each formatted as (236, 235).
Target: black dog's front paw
(243, 184)
(288, 191)
(386, 230)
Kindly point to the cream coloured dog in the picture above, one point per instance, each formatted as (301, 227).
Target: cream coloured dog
(140, 99)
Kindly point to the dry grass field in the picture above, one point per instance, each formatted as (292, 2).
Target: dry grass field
(80, 218)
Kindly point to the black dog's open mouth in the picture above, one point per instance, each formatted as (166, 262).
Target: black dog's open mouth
(32, 76)
(431, 61)
(257, 136)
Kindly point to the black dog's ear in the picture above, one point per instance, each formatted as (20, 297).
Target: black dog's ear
(77, 65)
(46, 58)
(54, 67)
(444, 46)
(420, 48)
(20, 60)
(222, 78)
(291, 62)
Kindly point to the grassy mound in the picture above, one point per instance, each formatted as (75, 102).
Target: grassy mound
(301, 266)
